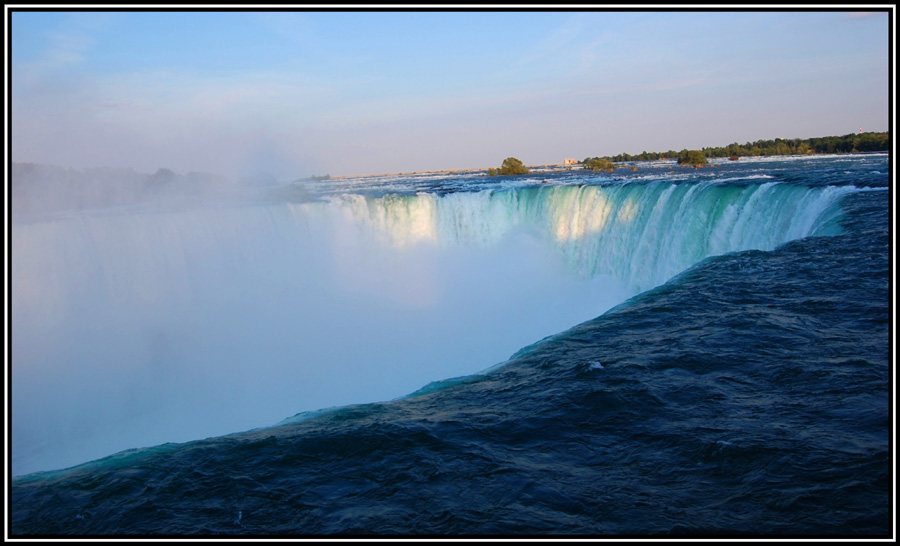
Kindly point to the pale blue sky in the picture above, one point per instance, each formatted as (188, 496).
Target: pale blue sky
(299, 93)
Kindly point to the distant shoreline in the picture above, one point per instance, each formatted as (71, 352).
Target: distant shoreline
(861, 142)
(576, 166)
(448, 171)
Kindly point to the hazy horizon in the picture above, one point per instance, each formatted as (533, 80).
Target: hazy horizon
(261, 174)
(301, 93)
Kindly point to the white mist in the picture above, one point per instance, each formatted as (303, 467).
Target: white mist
(132, 329)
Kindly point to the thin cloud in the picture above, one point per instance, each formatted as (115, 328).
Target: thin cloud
(864, 15)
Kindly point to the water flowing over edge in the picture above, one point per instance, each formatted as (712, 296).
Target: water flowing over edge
(639, 233)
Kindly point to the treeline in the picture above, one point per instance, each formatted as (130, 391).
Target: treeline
(854, 142)
(38, 189)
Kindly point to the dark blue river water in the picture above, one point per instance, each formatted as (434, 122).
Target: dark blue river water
(741, 389)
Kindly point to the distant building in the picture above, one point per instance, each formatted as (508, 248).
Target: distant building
(570, 161)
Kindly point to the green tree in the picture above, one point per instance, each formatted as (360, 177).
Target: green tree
(510, 165)
(691, 157)
(598, 164)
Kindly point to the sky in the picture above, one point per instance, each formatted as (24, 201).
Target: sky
(299, 93)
